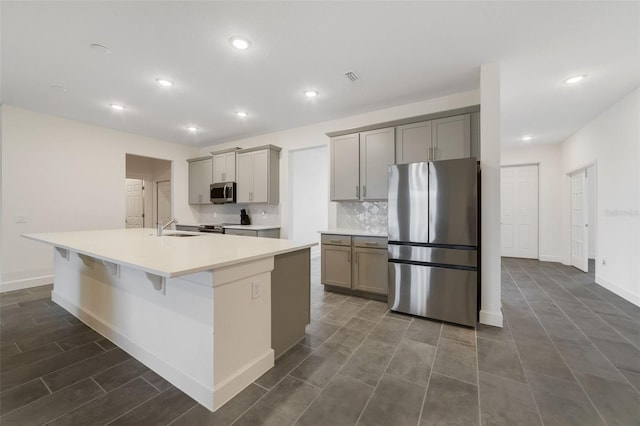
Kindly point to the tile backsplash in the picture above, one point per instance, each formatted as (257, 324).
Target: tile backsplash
(262, 214)
(368, 215)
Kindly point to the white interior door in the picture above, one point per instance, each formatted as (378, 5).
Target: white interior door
(135, 204)
(164, 201)
(519, 211)
(579, 226)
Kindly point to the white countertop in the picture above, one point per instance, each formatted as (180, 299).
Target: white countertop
(251, 227)
(353, 232)
(168, 256)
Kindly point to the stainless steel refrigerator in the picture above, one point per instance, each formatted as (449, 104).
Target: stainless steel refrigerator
(433, 239)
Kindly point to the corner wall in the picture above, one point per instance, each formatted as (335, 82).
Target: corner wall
(612, 142)
(63, 176)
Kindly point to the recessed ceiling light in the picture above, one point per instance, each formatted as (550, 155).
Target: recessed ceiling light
(58, 88)
(311, 93)
(575, 79)
(98, 48)
(164, 83)
(240, 42)
(192, 129)
(117, 107)
(527, 138)
(242, 114)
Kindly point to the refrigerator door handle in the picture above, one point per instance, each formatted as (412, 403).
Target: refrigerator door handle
(364, 191)
(357, 191)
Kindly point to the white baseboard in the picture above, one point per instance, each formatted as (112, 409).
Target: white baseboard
(25, 283)
(614, 288)
(545, 258)
(493, 318)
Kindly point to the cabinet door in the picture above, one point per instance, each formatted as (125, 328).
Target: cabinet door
(413, 142)
(260, 191)
(219, 168)
(244, 177)
(345, 174)
(230, 167)
(336, 265)
(370, 270)
(451, 137)
(377, 152)
(200, 177)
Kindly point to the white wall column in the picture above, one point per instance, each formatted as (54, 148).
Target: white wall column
(490, 311)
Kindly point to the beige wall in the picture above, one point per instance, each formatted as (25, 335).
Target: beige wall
(612, 142)
(65, 175)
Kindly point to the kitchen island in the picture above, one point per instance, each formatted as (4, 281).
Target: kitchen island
(197, 310)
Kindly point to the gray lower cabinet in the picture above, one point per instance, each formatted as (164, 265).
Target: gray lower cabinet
(355, 263)
(265, 233)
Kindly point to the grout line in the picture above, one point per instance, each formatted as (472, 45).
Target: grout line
(556, 348)
(94, 381)
(426, 389)
(151, 384)
(45, 385)
(260, 386)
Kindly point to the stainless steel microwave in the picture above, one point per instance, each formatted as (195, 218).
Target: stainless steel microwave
(223, 192)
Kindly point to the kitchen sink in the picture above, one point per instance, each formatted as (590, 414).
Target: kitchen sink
(181, 235)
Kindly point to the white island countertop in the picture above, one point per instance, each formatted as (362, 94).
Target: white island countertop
(168, 256)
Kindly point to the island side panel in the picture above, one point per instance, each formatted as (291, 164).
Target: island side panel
(290, 299)
(242, 333)
(169, 331)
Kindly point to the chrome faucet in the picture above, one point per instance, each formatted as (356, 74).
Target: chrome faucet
(162, 228)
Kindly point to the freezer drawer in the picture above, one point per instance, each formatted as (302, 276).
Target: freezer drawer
(446, 256)
(440, 293)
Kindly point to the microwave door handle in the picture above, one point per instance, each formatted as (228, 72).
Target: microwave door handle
(226, 191)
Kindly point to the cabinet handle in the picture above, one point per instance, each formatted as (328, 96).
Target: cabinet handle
(348, 257)
(199, 198)
(371, 244)
(355, 258)
(430, 153)
(357, 191)
(336, 241)
(224, 176)
(364, 191)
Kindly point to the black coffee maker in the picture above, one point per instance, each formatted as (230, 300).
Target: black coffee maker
(244, 218)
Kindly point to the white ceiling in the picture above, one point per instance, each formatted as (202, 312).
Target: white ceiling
(402, 52)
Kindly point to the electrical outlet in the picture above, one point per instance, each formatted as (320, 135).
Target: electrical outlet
(255, 290)
(604, 262)
(22, 219)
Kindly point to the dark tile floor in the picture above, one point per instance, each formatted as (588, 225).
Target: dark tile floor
(569, 355)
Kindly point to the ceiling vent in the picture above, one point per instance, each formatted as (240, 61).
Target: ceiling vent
(351, 76)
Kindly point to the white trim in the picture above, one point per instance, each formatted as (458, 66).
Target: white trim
(26, 283)
(620, 291)
(491, 318)
(545, 258)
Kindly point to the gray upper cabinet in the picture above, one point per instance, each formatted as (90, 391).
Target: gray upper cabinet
(413, 142)
(451, 137)
(224, 167)
(359, 165)
(442, 139)
(377, 152)
(200, 178)
(258, 175)
(345, 171)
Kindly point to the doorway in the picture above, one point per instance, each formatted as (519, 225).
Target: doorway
(519, 211)
(309, 194)
(148, 174)
(582, 218)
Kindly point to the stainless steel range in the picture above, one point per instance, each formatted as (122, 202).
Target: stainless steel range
(214, 228)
